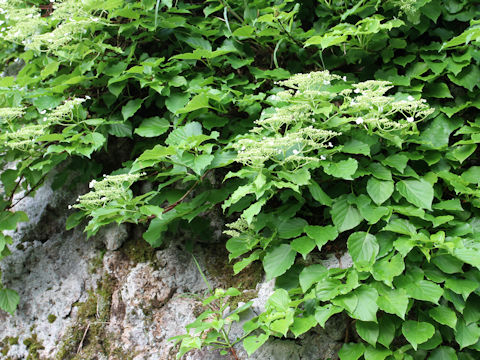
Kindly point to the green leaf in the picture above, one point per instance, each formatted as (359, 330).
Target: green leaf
(49, 69)
(318, 194)
(463, 287)
(252, 343)
(447, 263)
(444, 316)
(9, 177)
(290, 228)
(157, 226)
(120, 129)
(372, 353)
(361, 303)
(417, 332)
(437, 90)
(356, 146)
(363, 247)
(183, 135)
(326, 40)
(417, 192)
(443, 353)
(130, 108)
(388, 268)
(437, 133)
(368, 331)
(466, 335)
(351, 351)
(468, 78)
(199, 101)
(74, 219)
(380, 172)
(152, 127)
(323, 313)
(242, 264)
(366, 309)
(386, 331)
(450, 205)
(278, 260)
(244, 31)
(462, 152)
(380, 191)
(9, 300)
(321, 234)
(393, 301)
(303, 245)
(344, 215)
(310, 275)
(302, 324)
(279, 300)
(423, 290)
(472, 175)
(396, 161)
(176, 101)
(343, 169)
(9, 220)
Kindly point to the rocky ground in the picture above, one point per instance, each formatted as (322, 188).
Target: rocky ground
(114, 297)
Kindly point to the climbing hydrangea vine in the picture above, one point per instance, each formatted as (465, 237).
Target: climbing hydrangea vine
(316, 128)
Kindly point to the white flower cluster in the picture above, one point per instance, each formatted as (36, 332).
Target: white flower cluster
(69, 22)
(21, 24)
(64, 111)
(297, 147)
(24, 138)
(9, 113)
(299, 133)
(110, 188)
(236, 228)
(368, 106)
(311, 81)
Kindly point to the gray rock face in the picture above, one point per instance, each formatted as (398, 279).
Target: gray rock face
(112, 297)
(50, 276)
(113, 235)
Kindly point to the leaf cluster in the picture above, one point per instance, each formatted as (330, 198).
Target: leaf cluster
(171, 110)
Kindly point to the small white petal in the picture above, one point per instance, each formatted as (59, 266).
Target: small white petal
(356, 91)
(410, 119)
(295, 151)
(322, 157)
(359, 120)
(410, 98)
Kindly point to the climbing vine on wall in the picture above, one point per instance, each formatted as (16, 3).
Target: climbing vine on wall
(314, 126)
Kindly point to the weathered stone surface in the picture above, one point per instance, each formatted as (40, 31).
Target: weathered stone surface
(113, 235)
(113, 297)
(50, 276)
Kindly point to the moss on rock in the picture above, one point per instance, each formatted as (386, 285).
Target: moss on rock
(88, 337)
(33, 346)
(138, 250)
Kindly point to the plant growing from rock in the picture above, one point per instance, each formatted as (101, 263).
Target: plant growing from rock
(377, 156)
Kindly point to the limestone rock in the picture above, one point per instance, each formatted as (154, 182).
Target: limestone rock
(113, 297)
(113, 235)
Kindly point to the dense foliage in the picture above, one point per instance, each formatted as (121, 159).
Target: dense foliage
(315, 126)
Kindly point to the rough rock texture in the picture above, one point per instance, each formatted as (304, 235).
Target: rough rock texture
(114, 297)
